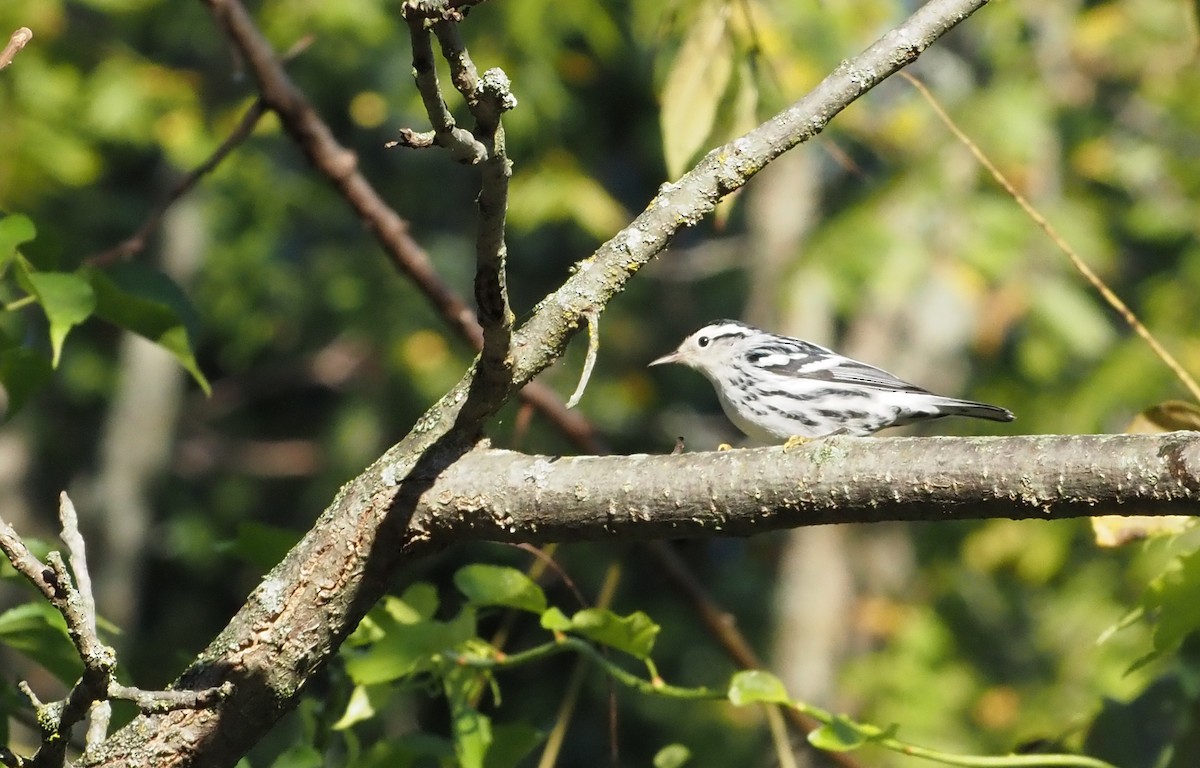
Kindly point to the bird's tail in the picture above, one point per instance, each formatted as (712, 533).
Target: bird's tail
(952, 407)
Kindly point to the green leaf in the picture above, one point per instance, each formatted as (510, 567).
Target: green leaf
(499, 585)
(472, 729)
(755, 685)
(555, 620)
(672, 756)
(695, 87)
(1173, 599)
(420, 598)
(365, 701)
(22, 372)
(417, 604)
(634, 634)
(38, 631)
(149, 304)
(407, 750)
(405, 649)
(839, 735)
(15, 229)
(66, 298)
(511, 743)
(299, 756)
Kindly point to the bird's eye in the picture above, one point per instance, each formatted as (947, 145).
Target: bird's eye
(702, 341)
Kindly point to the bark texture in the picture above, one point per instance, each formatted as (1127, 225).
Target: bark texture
(503, 496)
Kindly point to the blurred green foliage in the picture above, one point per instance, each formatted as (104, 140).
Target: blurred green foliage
(313, 344)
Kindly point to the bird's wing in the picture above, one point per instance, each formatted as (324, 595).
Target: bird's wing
(809, 361)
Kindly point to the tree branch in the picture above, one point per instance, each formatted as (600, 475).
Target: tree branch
(340, 166)
(16, 42)
(304, 608)
(832, 480)
(97, 685)
(543, 337)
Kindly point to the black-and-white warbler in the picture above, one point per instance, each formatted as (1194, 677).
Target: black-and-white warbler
(776, 388)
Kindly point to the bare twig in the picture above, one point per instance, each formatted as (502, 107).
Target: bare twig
(16, 42)
(136, 242)
(338, 165)
(78, 555)
(169, 701)
(72, 597)
(487, 97)
(100, 712)
(462, 144)
(1077, 261)
(722, 626)
(593, 349)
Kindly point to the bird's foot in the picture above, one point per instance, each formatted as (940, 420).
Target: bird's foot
(724, 447)
(794, 441)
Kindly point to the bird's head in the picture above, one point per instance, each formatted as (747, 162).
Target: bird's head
(710, 349)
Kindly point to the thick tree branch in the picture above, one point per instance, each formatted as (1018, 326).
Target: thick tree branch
(303, 609)
(504, 496)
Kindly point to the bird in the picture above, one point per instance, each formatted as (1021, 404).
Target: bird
(779, 389)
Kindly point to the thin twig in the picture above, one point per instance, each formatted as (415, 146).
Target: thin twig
(488, 97)
(1077, 261)
(168, 701)
(71, 595)
(570, 697)
(593, 349)
(16, 42)
(100, 712)
(722, 626)
(136, 242)
(337, 164)
(462, 144)
(77, 552)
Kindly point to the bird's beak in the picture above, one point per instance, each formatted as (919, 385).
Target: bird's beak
(671, 358)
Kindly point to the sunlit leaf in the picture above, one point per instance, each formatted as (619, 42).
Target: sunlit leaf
(559, 189)
(485, 584)
(743, 116)
(420, 598)
(15, 229)
(404, 649)
(838, 735)
(472, 729)
(755, 685)
(66, 298)
(672, 756)
(1172, 602)
(365, 701)
(633, 634)
(695, 86)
